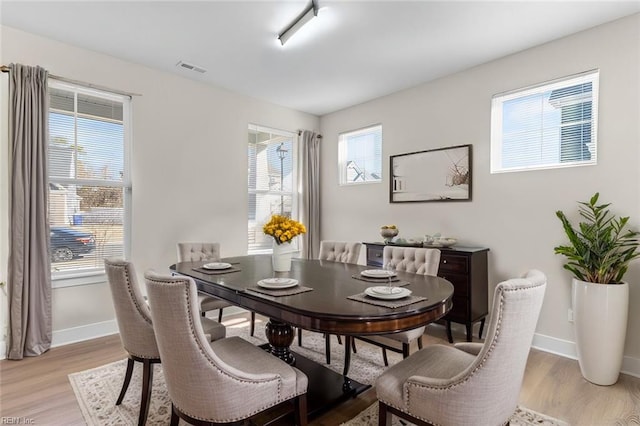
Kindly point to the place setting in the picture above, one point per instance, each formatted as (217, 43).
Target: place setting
(216, 268)
(279, 286)
(390, 295)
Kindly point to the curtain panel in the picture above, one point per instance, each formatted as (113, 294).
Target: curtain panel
(310, 183)
(29, 269)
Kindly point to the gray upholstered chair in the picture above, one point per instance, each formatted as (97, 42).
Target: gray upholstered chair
(417, 261)
(136, 329)
(195, 252)
(336, 251)
(226, 381)
(469, 383)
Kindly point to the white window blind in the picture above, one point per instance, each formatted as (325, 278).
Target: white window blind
(272, 178)
(360, 155)
(547, 126)
(89, 181)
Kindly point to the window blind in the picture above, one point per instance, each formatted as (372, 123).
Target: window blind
(546, 126)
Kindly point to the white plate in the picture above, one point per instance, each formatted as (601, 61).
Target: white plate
(378, 273)
(217, 265)
(396, 294)
(277, 283)
(383, 289)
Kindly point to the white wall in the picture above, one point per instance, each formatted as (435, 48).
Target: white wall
(189, 162)
(511, 213)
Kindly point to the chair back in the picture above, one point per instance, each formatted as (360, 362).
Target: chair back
(199, 382)
(340, 251)
(422, 261)
(194, 252)
(501, 363)
(132, 312)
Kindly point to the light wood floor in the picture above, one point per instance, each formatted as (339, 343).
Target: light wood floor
(37, 390)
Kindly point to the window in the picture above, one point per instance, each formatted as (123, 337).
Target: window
(272, 179)
(89, 182)
(360, 156)
(546, 126)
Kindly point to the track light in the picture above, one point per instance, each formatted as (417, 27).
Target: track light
(309, 13)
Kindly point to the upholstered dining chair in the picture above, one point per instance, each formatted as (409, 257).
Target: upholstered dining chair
(469, 383)
(226, 381)
(336, 251)
(195, 252)
(417, 261)
(136, 328)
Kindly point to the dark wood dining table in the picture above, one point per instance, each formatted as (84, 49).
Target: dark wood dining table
(326, 308)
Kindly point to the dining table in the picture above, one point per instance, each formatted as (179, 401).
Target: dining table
(326, 297)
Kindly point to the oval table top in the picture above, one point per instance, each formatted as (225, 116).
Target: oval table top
(326, 308)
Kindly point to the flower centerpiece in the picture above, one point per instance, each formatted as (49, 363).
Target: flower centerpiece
(283, 230)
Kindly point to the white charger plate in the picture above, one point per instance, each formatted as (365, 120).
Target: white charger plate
(277, 283)
(378, 273)
(396, 294)
(216, 265)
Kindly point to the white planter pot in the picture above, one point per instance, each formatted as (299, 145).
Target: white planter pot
(281, 257)
(600, 319)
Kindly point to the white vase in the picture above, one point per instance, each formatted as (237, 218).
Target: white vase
(281, 257)
(600, 320)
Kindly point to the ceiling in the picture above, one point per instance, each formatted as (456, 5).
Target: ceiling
(354, 51)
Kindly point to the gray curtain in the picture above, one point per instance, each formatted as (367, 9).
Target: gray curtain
(29, 264)
(310, 182)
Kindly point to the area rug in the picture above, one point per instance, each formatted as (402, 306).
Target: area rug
(97, 389)
(522, 417)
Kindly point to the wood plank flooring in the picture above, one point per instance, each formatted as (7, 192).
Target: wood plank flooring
(37, 390)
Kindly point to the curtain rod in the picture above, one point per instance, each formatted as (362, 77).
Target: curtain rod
(300, 133)
(5, 68)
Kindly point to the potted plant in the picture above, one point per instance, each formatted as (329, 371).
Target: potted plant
(599, 252)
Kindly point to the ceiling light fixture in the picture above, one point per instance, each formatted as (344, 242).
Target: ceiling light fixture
(309, 13)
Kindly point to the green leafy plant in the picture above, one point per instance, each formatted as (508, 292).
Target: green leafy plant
(600, 250)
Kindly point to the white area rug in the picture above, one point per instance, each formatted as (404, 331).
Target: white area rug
(97, 389)
(522, 417)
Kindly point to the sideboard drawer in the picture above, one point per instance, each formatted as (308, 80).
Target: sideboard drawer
(453, 263)
(459, 281)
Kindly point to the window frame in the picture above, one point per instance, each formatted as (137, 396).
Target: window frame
(498, 100)
(342, 155)
(295, 190)
(98, 275)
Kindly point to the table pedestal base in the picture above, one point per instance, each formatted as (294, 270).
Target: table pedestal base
(280, 337)
(326, 389)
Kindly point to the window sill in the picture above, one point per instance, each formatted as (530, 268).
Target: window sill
(78, 279)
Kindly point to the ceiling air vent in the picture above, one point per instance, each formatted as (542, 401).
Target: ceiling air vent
(191, 67)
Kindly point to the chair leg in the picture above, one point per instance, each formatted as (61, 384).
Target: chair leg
(220, 315)
(174, 416)
(253, 323)
(420, 342)
(405, 350)
(339, 339)
(203, 313)
(299, 337)
(384, 418)
(481, 328)
(449, 335)
(300, 410)
(327, 347)
(127, 380)
(145, 397)
(353, 346)
(384, 357)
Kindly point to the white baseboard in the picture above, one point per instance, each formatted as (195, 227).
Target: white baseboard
(567, 349)
(84, 332)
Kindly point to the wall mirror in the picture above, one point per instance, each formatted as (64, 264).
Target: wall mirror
(442, 174)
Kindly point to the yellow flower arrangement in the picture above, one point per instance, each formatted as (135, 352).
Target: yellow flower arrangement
(283, 229)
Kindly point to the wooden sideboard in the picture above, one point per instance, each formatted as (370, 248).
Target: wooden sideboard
(466, 268)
